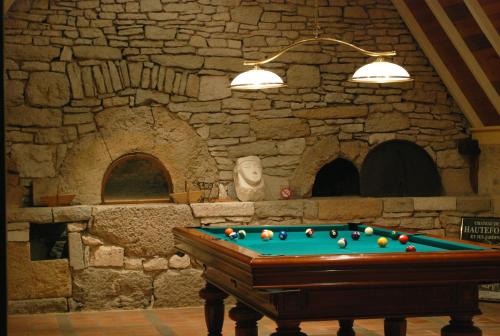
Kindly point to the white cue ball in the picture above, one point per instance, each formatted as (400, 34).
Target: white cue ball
(368, 231)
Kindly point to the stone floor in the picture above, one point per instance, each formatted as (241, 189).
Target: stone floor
(190, 322)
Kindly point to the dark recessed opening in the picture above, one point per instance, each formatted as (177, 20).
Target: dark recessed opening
(337, 178)
(136, 178)
(48, 241)
(399, 168)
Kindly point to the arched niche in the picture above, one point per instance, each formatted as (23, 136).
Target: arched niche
(399, 168)
(339, 177)
(128, 130)
(136, 178)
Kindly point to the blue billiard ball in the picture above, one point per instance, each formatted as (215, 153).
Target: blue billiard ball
(233, 235)
(342, 243)
(355, 235)
(283, 235)
(333, 234)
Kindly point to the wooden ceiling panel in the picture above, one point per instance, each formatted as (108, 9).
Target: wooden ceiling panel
(456, 21)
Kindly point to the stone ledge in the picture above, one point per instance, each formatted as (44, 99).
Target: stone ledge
(52, 305)
(71, 213)
(223, 209)
(31, 215)
(279, 208)
(347, 208)
(435, 203)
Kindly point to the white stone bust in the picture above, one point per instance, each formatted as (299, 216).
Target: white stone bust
(248, 181)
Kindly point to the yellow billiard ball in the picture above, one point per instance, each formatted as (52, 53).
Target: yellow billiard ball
(382, 242)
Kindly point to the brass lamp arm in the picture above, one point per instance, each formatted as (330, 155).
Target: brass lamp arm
(321, 39)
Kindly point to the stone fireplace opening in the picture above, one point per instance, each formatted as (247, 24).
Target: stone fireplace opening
(337, 178)
(48, 241)
(399, 168)
(136, 178)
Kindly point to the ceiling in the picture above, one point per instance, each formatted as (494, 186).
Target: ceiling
(461, 39)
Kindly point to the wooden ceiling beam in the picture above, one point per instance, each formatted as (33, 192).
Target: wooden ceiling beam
(438, 63)
(485, 23)
(464, 51)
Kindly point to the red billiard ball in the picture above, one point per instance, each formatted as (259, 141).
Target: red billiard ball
(355, 235)
(228, 231)
(403, 239)
(411, 248)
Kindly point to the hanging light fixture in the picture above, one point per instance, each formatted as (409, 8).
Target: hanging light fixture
(379, 71)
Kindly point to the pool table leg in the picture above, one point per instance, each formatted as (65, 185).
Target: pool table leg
(288, 328)
(214, 308)
(395, 326)
(246, 320)
(346, 328)
(461, 325)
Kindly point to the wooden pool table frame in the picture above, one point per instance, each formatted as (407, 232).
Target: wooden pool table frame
(344, 287)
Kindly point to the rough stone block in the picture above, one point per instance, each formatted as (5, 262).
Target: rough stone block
(158, 33)
(178, 262)
(47, 89)
(310, 209)
(187, 284)
(303, 76)
(72, 213)
(456, 181)
(146, 97)
(292, 146)
(76, 227)
(97, 52)
(179, 61)
(349, 208)
(386, 122)
(31, 215)
(39, 279)
(293, 208)
(91, 241)
(223, 209)
(36, 306)
(18, 226)
(14, 90)
(107, 256)
(473, 204)
(76, 259)
(150, 5)
(75, 78)
(263, 147)
(18, 236)
(229, 131)
(133, 263)
(29, 116)
(34, 160)
(246, 14)
(399, 204)
(30, 53)
(103, 289)
(143, 230)
(281, 128)
(434, 203)
(155, 264)
(214, 88)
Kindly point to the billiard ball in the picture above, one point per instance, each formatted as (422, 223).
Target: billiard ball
(269, 233)
(283, 235)
(242, 234)
(309, 233)
(228, 231)
(265, 235)
(411, 248)
(342, 243)
(403, 239)
(368, 231)
(382, 242)
(233, 235)
(333, 234)
(355, 235)
(394, 235)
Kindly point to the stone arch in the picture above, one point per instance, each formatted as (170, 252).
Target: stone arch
(339, 177)
(314, 157)
(399, 168)
(126, 130)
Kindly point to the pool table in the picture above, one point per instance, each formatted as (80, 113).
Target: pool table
(312, 278)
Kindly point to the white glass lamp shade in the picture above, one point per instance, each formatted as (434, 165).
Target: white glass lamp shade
(256, 79)
(381, 71)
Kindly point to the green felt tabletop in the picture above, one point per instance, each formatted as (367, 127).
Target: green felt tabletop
(297, 243)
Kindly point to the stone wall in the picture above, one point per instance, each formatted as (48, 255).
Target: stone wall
(89, 81)
(122, 257)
